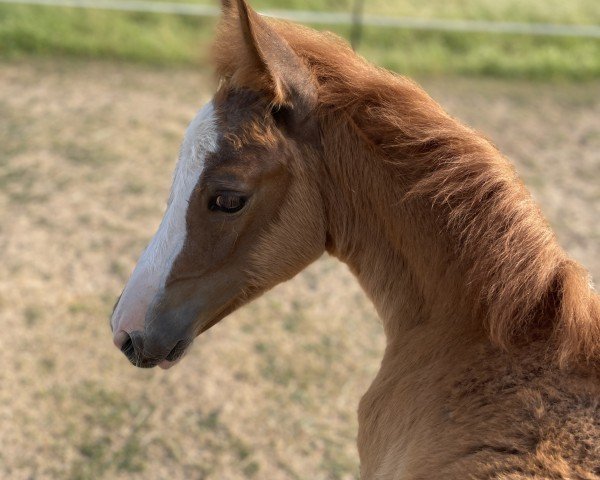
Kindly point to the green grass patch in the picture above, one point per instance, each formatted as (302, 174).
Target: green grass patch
(506, 56)
(170, 39)
(539, 11)
(144, 37)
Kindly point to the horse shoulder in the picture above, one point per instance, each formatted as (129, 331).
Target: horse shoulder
(505, 416)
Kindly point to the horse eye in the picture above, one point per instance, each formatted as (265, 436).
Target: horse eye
(227, 202)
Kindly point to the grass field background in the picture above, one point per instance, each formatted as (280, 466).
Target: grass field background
(171, 40)
(87, 150)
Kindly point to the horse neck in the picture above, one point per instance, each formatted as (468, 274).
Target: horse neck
(393, 246)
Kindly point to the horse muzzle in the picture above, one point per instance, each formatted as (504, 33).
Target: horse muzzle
(146, 352)
(161, 336)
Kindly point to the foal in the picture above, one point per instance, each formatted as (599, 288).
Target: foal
(491, 368)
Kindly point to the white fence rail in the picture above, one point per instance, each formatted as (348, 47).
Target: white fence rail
(332, 18)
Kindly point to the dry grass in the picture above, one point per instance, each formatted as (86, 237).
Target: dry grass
(86, 153)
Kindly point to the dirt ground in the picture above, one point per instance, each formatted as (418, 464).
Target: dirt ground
(86, 155)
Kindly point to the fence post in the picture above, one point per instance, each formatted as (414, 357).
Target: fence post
(357, 24)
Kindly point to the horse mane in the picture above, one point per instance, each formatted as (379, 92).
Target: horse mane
(524, 280)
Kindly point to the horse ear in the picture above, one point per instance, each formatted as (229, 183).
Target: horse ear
(276, 63)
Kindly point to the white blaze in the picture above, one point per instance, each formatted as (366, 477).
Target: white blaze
(153, 267)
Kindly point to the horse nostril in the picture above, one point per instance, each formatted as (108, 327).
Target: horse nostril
(146, 352)
(133, 348)
(127, 348)
(119, 338)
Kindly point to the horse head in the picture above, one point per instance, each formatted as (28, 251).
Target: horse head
(244, 212)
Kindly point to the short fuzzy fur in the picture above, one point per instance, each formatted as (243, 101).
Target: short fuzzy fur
(492, 363)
